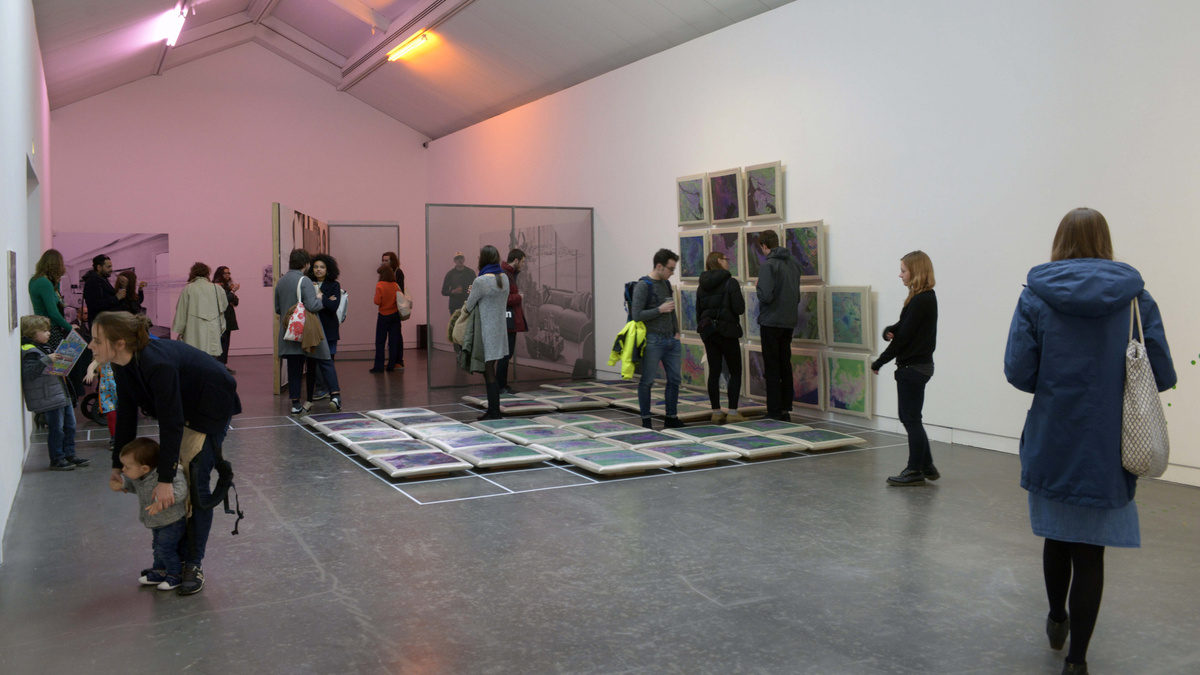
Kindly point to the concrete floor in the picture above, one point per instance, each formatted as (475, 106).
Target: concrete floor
(808, 564)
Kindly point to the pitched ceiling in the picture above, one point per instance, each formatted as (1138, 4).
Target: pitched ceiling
(482, 57)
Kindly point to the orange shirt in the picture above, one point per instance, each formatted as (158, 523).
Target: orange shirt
(385, 297)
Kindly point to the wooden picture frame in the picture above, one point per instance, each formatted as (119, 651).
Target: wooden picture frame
(726, 198)
(693, 253)
(807, 243)
(751, 252)
(691, 199)
(810, 326)
(808, 378)
(686, 309)
(848, 317)
(849, 384)
(728, 240)
(763, 190)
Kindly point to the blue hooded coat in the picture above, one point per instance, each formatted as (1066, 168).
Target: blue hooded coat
(1066, 346)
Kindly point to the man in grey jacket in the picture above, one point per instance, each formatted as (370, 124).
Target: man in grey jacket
(778, 297)
(653, 304)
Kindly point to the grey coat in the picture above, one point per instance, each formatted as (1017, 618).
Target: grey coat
(285, 297)
(779, 290)
(42, 392)
(491, 297)
(144, 489)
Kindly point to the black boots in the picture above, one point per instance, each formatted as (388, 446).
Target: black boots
(493, 397)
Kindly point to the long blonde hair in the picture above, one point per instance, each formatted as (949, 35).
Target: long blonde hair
(920, 274)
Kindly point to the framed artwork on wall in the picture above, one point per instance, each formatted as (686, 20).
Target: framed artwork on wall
(806, 241)
(755, 384)
(755, 258)
(810, 328)
(726, 203)
(849, 384)
(751, 330)
(693, 364)
(693, 249)
(808, 382)
(764, 191)
(728, 241)
(13, 322)
(685, 306)
(691, 197)
(848, 317)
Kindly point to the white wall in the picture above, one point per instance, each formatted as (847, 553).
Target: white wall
(202, 151)
(24, 145)
(964, 129)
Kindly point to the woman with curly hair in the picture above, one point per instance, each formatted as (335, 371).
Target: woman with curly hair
(43, 292)
(324, 274)
(224, 278)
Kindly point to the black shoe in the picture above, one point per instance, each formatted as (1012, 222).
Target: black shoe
(375, 370)
(508, 390)
(62, 465)
(390, 369)
(1057, 632)
(335, 402)
(783, 417)
(193, 580)
(490, 416)
(401, 366)
(321, 393)
(674, 423)
(1074, 668)
(297, 408)
(646, 423)
(79, 461)
(931, 473)
(907, 478)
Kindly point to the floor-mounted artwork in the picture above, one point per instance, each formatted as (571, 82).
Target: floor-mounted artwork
(349, 436)
(755, 258)
(810, 327)
(706, 432)
(423, 420)
(751, 331)
(478, 440)
(767, 426)
(725, 199)
(822, 439)
(693, 249)
(564, 419)
(685, 304)
(506, 424)
(807, 378)
(639, 438)
(729, 242)
(524, 407)
(755, 385)
(540, 434)
(849, 382)
(806, 241)
(848, 316)
(693, 364)
(576, 402)
(413, 464)
(691, 194)
(764, 191)
(504, 454)
(601, 428)
(689, 454)
(615, 461)
(334, 426)
(397, 413)
(441, 430)
(557, 449)
(371, 449)
(753, 447)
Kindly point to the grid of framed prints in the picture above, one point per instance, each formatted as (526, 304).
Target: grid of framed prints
(685, 305)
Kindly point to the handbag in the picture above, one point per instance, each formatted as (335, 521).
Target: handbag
(460, 327)
(343, 307)
(294, 332)
(1145, 447)
(404, 304)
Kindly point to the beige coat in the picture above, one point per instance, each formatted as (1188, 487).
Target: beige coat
(200, 315)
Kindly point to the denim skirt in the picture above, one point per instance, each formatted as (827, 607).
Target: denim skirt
(1085, 524)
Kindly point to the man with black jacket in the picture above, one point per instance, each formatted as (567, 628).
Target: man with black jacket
(778, 299)
(98, 293)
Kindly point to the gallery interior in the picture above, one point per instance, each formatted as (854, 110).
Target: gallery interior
(389, 538)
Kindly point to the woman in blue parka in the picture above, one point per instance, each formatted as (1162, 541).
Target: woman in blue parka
(1066, 346)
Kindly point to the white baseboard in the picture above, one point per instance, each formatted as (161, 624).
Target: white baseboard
(1184, 475)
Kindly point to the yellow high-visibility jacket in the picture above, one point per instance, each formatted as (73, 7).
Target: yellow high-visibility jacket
(628, 348)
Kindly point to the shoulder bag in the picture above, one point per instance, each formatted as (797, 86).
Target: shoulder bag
(404, 304)
(1145, 447)
(295, 318)
(343, 307)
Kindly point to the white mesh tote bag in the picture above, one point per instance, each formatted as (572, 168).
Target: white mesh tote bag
(1145, 448)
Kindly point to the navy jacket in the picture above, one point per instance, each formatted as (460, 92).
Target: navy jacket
(331, 297)
(779, 290)
(1066, 346)
(180, 386)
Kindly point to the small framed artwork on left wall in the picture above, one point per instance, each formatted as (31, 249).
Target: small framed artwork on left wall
(12, 291)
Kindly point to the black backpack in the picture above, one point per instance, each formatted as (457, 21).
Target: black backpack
(651, 300)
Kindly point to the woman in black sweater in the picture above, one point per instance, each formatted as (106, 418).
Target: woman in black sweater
(913, 339)
(720, 302)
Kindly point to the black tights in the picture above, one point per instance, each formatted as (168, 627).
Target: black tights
(1086, 561)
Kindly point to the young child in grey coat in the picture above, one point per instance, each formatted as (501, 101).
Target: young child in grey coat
(139, 462)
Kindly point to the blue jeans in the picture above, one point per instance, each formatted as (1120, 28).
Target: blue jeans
(665, 348)
(166, 547)
(60, 437)
(201, 521)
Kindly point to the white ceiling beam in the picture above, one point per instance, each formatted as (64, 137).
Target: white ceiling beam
(261, 9)
(286, 30)
(361, 11)
(198, 48)
(423, 16)
(297, 55)
(212, 28)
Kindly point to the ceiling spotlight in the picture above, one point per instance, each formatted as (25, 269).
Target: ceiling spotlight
(407, 47)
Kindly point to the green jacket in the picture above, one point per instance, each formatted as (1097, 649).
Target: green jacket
(46, 301)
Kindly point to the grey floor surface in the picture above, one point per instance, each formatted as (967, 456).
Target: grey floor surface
(807, 564)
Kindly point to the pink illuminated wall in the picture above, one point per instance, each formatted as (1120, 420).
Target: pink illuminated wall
(202, 151)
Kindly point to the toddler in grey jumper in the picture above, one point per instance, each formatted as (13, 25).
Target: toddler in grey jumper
(139, 461)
